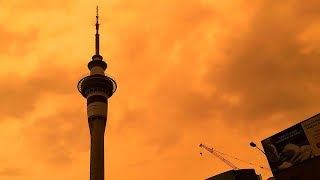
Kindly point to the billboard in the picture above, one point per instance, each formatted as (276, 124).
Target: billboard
(294, 145)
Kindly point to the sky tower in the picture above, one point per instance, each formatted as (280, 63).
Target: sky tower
(97, 88)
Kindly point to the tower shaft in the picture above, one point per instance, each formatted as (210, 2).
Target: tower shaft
(97, 129)
(97, 108)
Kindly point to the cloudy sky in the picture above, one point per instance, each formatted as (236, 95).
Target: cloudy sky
(223, 73)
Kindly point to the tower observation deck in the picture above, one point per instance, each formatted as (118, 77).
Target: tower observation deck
(97, 88)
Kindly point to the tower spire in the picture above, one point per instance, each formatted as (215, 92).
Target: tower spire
(97, 88)
(97, 33)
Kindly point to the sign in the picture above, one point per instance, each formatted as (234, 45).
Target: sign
(293, 145)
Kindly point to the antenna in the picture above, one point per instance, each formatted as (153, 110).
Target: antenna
(97, 33)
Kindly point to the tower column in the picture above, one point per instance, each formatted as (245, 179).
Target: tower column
(97, 128)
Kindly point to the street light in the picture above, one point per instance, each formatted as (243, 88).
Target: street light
(255, 146)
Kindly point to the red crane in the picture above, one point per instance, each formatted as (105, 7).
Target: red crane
(212, 151)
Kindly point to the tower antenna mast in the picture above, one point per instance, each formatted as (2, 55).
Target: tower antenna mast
(97, 33)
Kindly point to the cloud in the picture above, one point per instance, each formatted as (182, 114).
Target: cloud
(17, 43)
(22, 92)
(11, 172)
(263, 73)
(267, 69)
(37, 5)
(60, 135)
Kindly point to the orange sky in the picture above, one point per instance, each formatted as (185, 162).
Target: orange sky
(224, 73)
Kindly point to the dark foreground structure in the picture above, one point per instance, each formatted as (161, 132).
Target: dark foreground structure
(97, 88)
(294, 153)
(242, 174)
(308, 170)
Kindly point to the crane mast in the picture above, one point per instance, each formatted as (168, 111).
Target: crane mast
(212, 151)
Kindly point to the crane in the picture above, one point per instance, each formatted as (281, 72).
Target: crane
(212, 151)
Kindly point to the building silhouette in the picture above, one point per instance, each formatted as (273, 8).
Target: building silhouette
(241, 174)
(97, 88)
